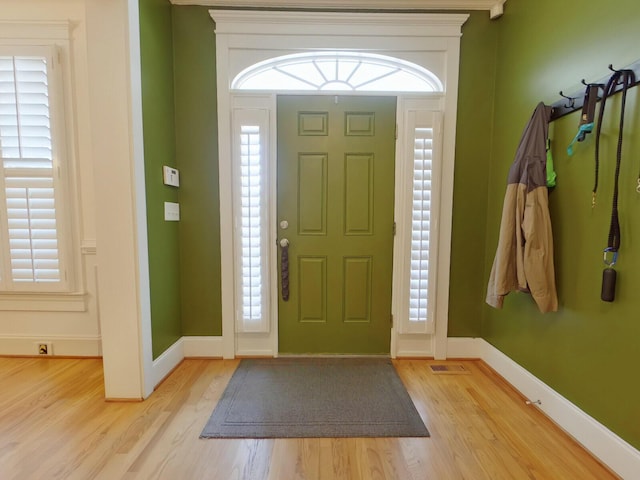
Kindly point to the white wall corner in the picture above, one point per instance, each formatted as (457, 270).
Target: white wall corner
(114, 115)
(167, 362)
(609, 448)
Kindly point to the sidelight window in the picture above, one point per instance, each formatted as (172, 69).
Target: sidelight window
(420, 224)
(417, 218)
(250, 163)
(251, 229)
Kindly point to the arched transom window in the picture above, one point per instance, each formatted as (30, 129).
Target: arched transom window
(337, 71)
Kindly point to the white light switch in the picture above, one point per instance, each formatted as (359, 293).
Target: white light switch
(170, 176)
(171, 211)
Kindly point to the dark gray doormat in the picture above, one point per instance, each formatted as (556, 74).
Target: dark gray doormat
(315, 397)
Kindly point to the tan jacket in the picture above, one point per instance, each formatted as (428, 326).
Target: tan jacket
(524, 257)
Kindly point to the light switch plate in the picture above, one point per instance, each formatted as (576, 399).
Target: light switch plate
(171, 211)
(170, 176)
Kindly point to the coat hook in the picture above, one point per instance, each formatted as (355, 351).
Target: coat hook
(599, 85)
(572, 101)
(612, 69)
(584, 82)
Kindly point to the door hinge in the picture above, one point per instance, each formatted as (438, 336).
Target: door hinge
(396, 131)
(394, 229)
(391, 320)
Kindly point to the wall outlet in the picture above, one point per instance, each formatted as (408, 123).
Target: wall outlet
(44, 348)
(171, 212)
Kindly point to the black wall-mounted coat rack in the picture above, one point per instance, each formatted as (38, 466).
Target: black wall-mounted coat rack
(570, 103)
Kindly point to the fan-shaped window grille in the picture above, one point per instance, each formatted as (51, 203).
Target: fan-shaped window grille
(337, 71)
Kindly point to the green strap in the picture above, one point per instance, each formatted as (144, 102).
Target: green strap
(551, 173)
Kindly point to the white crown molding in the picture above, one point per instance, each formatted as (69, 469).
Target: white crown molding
(345, 23)
(495, 7)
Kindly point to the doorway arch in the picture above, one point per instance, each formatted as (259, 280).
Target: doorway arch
(246, 41)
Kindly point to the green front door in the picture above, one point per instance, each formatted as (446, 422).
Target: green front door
(335, 207)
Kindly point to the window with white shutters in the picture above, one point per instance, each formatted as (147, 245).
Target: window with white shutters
(417, 219)
(420, 225)
(31, 222)
(250, 162)
(250, 197)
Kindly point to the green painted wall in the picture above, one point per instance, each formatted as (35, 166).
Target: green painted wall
(180, 130)
(473, 153)
(197, 155)
(159, 149)
(589, 349)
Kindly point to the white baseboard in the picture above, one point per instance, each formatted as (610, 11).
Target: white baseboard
(59, 345)
(414, 346)
(185, 347)
(205, 347)
(255, 345)
(608, 447)
(465, 347)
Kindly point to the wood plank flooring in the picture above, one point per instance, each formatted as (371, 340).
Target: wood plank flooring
(55, 424)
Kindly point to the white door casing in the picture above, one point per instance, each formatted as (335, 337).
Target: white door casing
(244, 38)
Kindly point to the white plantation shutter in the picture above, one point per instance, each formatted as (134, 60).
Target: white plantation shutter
(417, 219)
(30, 220)
(250, 198)
(33, 242)
(250, 160)
(420, 225)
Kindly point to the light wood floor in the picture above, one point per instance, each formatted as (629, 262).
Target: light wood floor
(55, 424)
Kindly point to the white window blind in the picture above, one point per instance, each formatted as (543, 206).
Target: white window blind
(251, 231)
(250, 162)
(417, 219)
(420, 225)
(30, 233)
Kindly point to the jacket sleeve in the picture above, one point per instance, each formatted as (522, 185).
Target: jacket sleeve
(503, 278)
(538, 249)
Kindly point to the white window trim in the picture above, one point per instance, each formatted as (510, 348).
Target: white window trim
(244, 38)
(55, 36)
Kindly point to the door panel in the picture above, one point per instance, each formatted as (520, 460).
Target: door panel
(335, 190)
(312, 194)
(312, 285)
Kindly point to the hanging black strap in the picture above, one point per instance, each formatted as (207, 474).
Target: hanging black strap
(626, 78)
(284, 269)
